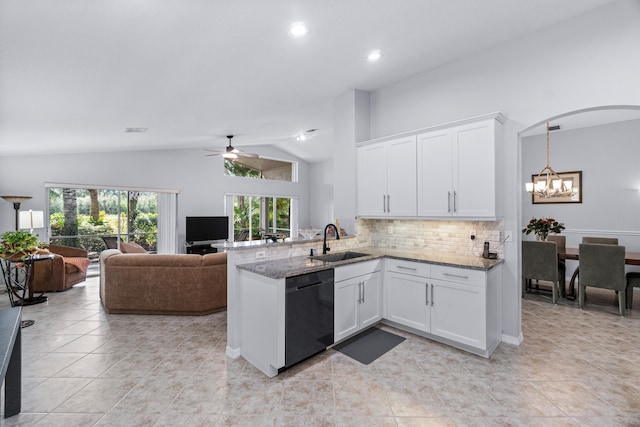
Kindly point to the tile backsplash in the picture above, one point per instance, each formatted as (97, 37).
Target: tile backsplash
(445, 236)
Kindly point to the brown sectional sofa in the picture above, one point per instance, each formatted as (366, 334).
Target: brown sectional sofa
(163, 284)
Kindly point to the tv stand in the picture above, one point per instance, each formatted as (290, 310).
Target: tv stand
(201, 249)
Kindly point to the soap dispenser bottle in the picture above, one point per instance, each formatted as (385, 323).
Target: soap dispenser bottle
(337, 226)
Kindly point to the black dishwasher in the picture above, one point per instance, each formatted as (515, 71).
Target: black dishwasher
(308, 315)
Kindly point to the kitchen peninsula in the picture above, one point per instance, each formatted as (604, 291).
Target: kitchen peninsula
(450, 298)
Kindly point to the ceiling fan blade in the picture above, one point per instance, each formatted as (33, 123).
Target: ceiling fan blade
(230, 151)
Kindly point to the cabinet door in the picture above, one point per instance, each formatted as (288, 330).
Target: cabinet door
(346, 308)
(407, 299)
(370, 307)
(372, 180)
(458, 312)
(435, 163)
(474, 170)
(401, 177)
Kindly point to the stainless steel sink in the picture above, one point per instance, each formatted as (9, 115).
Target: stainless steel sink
(341, 256)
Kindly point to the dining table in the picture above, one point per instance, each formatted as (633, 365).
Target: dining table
(630, 258)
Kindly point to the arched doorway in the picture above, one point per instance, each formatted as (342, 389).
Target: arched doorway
(602, 143)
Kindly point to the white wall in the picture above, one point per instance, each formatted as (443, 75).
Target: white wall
(608, 157)
(200, 180)
(350, 125)
(321, 195)
(588, 61)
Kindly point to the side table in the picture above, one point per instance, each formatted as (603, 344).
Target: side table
(18, 277)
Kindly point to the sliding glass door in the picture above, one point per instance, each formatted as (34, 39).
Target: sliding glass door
(97, 219)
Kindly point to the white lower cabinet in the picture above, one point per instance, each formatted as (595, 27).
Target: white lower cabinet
(449, 304)
(358, 298)
(457, 312)
(407, 300)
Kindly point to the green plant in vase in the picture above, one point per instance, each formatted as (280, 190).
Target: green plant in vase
(541, 227)
(19, 245)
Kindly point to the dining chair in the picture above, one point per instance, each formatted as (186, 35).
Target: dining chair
(540, 262)
(602, 266)
(597, 240)
(601, 240)
(561, 243)
(633, 281)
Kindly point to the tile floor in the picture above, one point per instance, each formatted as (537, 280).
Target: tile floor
(82, 367)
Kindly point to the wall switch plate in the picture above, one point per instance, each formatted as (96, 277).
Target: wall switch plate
(508, 236)
(472, 234)
(260, 254)
(494, 236)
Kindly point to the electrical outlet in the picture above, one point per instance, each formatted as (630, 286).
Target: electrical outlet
(260, 254)
(472, 234)
(508, 236)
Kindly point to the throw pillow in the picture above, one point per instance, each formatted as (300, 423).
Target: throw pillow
(131, 248)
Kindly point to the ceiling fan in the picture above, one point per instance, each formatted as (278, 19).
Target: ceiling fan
(230, 152)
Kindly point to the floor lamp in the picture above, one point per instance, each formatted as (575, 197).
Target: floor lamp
(16, 200)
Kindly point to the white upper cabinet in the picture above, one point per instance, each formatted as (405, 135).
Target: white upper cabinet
(457, 172)
(435, 181)
(387, 178)
(446, 171)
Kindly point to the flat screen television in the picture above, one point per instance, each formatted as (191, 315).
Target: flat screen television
(203, 228)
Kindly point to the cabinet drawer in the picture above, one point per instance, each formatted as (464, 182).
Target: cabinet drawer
(459, 275)
(354, 270)
(408, 267)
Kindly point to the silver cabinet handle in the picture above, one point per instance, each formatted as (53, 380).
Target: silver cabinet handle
(454, 202)
(406, 268)
(455, 275)
(363, 292)
(384, 203)
(426, 291)
(448, 201)
(359, 292)
(388, 203)
(432, 295)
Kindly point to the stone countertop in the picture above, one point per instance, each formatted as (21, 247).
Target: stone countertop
(294, 266)
(289, 241)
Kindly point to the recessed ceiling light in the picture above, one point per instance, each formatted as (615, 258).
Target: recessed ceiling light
(306, 135)
(298, 29)
(135, 130)
(374, 55)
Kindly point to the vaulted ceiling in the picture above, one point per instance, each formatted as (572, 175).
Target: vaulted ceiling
(74, 74)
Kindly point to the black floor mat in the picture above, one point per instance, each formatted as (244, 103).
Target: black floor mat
(369, 345)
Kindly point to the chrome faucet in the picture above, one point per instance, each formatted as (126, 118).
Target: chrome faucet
(325, 248)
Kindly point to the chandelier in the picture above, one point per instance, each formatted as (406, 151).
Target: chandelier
(549, 184)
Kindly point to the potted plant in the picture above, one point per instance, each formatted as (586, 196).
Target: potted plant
(541, 227)
(19, 245)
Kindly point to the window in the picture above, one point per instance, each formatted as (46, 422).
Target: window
(254, 216)
(261, 168)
